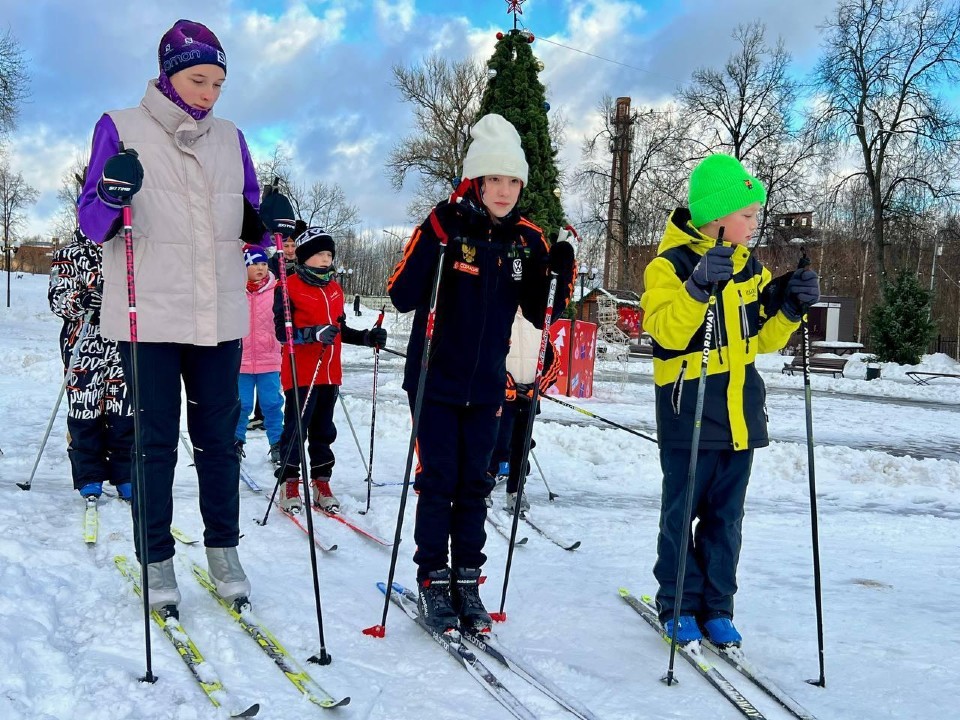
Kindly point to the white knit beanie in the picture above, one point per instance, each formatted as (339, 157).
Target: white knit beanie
(495, 150)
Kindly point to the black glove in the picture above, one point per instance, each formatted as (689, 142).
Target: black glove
(375, 337)
(803, 290)
(715, 266)
(121, 179)
(92, 300)
(561, 258)
(277, 214)
(323, 334)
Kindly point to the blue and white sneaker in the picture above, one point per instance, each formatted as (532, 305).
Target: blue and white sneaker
(91, 490)
(721, 632)
(687, 632)
(125, 491)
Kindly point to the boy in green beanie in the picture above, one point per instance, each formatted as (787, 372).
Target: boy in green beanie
(754, 314)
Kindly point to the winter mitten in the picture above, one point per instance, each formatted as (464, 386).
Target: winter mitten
(375, 337)
(561, 258)
(803, 290)
(277, 214)
(715, 266)
(121, 179)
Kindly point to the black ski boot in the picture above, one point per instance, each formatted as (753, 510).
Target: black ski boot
(466, 601)
(433, 601)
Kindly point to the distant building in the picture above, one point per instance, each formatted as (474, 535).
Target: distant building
(628, 308)
(796, 227)
(35, 256)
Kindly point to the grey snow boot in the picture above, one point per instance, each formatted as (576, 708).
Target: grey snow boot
(162, 582)
(227, 574)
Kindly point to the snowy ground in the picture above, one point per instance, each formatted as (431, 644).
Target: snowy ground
(888, 475)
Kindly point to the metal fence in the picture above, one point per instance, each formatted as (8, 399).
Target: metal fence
(947, 346)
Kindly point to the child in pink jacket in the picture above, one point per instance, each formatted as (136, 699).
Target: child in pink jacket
(260, 366)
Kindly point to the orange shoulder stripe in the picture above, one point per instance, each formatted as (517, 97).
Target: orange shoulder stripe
(403, 260)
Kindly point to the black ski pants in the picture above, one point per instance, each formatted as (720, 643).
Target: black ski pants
(713, 550)
(510, 439)
(319, 431)
(210, 375)
(454, 445)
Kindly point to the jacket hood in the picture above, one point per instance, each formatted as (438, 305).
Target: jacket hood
(680, 232)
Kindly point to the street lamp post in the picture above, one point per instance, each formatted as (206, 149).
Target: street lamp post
(350, 279)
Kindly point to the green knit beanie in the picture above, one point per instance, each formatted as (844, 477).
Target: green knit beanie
(719, 186)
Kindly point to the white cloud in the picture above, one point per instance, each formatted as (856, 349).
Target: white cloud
(395, 15)
(279, 41)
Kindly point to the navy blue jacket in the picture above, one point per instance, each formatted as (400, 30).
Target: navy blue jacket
(488, 271)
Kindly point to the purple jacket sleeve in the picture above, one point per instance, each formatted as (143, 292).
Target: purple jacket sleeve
(98, 221)
(251, 187)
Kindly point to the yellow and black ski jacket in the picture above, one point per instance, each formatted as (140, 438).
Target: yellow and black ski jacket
(747, 322)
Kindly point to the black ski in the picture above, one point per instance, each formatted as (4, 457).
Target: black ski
(453, 644)
(549, 536)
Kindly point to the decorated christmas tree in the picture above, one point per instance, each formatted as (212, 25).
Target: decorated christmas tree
(514, 91)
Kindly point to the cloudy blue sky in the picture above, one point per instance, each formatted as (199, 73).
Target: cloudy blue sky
(315, 75)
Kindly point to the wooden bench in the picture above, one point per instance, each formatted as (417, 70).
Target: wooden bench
(924, 378)
(818, 364)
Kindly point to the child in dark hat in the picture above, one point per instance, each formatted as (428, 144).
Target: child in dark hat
(319, 322)
(754, 315)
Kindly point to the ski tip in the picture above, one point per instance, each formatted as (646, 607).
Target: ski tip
(23, 486)
(498, 617)
(336, 703)
(377, 631)
(573, 547)
(249, 712)
(623, 592)
(521, 541)
(397, 587)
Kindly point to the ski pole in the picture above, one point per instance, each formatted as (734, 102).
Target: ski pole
(373, 411)
(324, 657)
(808, 407)
(593, 415)
(139, 484)
(692, 471)
(353, 431)
(74, 356)
(553, 496)
(573, 407)
(501, 616)
(286, 456)
(381, 629)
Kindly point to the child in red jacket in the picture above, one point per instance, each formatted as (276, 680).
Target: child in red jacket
(319, 323)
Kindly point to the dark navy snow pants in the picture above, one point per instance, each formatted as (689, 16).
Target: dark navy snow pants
(209, 374)
(510, 439)
(319, 430)
(454, 445)
(713, 550)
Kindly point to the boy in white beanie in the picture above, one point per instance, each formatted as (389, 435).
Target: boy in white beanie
(495, 262)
